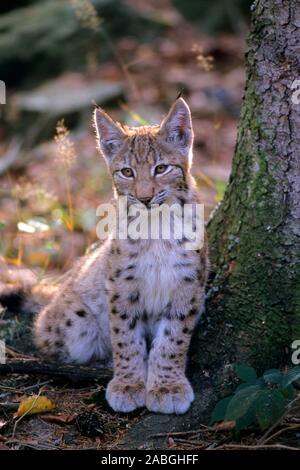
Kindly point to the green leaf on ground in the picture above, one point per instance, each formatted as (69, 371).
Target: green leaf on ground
(270, 405)
(245, 373)
(220, 410)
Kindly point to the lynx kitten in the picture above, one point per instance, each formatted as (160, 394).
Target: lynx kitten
(136, 301)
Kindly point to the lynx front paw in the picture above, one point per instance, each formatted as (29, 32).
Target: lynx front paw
(125, 397)
(170, 398)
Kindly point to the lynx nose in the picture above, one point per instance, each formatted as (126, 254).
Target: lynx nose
(146, 200)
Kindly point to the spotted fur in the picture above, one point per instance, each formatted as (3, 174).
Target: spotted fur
(136, 301)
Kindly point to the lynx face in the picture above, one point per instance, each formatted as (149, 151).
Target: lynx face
(148, 164)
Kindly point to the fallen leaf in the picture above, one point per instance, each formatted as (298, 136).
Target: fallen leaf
(2, 438)
(35, 404)
(59, 419)
(225, 426)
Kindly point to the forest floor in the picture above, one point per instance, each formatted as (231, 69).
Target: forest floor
(82, 419)
(47, 219)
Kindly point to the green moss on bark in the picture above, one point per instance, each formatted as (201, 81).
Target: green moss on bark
(253, 309)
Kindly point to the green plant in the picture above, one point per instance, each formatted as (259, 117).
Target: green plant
(257, 400)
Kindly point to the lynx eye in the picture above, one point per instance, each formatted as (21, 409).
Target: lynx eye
(160, 169)
(127, 172)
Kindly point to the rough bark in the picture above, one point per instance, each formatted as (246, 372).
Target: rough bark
(253, 306)
(254, 302)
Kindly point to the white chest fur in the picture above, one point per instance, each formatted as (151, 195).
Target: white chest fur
(158, 275)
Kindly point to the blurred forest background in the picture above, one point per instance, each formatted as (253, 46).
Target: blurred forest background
(133, 57)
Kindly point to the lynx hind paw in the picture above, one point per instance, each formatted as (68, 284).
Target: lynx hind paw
(125, 397)
(170, 398)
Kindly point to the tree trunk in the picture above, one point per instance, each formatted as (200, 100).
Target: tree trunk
(254, 302)
(253, 306)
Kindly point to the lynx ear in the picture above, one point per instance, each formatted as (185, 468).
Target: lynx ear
(110, 134)
(176, 128)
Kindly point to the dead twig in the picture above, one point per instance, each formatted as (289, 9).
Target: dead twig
(32, 444)
(27, 412)
(13, 353)
(281, 431)
(9, 406)
(278, 422)
(294, 420)
(183, 433)
(74, 374)
(8, 390)
(38, 385)
(254, 447)
(190, 442)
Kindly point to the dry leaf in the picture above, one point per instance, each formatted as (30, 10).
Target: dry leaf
(4, 447)
(35, 404)
(59, 419)
(225, 426)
